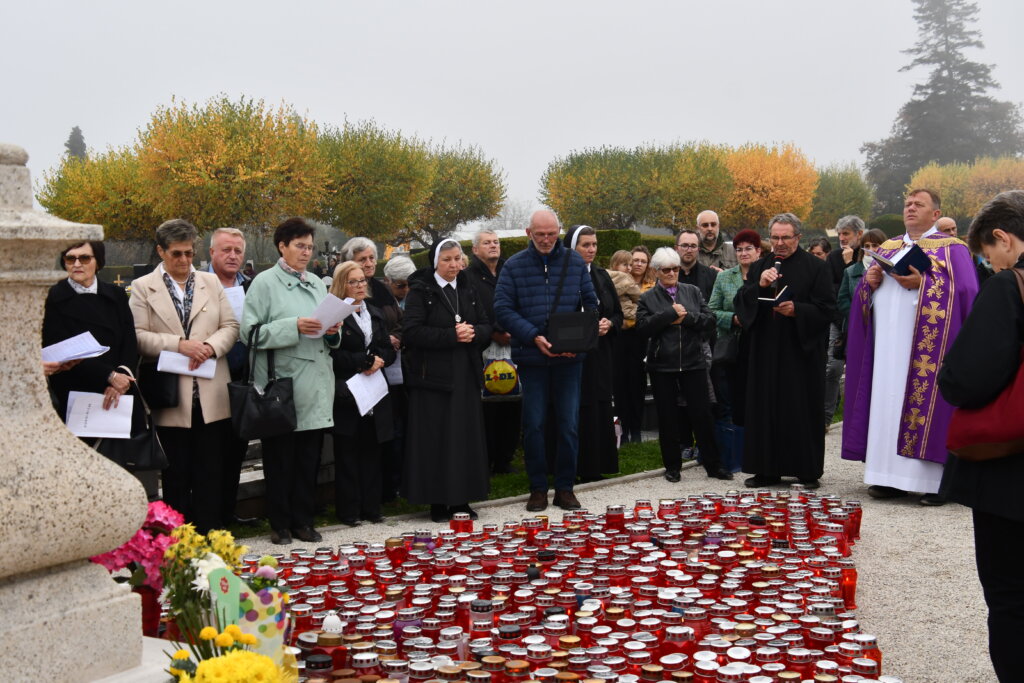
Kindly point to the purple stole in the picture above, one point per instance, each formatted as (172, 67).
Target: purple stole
(946, 294)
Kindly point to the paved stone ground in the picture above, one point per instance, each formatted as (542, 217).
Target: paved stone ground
(918, 590)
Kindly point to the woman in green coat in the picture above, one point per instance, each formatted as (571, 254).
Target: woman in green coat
(281, 299)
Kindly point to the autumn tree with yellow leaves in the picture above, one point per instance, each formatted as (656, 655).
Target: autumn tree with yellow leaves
(466, 186)
(376, 180)
(768, 180)
(964, 188)
(607, 187)
(231, 163)
(103, 188)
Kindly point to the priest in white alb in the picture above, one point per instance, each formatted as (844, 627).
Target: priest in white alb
(894, 418)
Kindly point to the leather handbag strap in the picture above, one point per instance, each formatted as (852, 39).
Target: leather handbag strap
(138, 392)
(561, 283)
(253, 336)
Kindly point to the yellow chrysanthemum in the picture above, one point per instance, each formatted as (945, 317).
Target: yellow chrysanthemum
(238, 665)
(233, 631)
(247, 639)
(268, 561)
(182, 654)
(208, 633)
(223, 640)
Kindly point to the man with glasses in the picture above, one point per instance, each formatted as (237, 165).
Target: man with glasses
(692, 271)
(715, 253)
(788, 336)
(523, 301)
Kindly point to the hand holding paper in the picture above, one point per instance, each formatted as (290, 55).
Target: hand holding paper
(180, 364)
(79, 347)
(367, 390)
(331, 312)
(87, 417)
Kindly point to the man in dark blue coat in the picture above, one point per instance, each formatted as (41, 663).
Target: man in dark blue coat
(523, 299)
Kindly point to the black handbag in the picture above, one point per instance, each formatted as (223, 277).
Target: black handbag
(571, 331)
(143, 450)
(160, 389)
(256, 413)
(727, 349)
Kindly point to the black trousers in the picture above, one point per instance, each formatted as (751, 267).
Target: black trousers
(193, 480)
(234, 454)
(999, 554)
(290, 466)
(676, 423)
(629, 384)
(357, 472)
(502, 426)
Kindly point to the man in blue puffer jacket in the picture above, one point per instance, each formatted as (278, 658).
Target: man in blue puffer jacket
(522, 302)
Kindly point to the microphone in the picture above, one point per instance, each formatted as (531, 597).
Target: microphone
(778, 269)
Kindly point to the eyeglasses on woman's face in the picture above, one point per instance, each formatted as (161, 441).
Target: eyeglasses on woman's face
(356, 283)
(668, 270)
(84, 259)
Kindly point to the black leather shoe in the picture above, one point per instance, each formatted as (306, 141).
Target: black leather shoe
(720, 473)
(349, 521)
(538, 501)
(884, 492)
(280, 537)
(464, 508)
(566, 500)
(932, 500)
(245, 521)
(810, 484)
(307, 534)
(439, 513)
(672, 476)
(758, 481)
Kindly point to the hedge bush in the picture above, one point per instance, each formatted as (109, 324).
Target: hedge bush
(608, 242)
(890, 223)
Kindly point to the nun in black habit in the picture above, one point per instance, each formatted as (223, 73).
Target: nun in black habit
(598, 452)
(444, 330)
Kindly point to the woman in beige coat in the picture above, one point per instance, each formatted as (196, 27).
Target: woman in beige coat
(177, 308)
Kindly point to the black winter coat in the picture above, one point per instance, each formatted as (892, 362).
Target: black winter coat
(700, 276)
(983, 360)
(428, 331)
(107, 316)
(480, 277)
(353, 356)
(674, 348)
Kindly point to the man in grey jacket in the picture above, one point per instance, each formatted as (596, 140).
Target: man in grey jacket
(714, 252)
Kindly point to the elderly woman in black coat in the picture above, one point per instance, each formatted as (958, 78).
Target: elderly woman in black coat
(364, 348)
(677, 323)
(82, 303)
(445, 329)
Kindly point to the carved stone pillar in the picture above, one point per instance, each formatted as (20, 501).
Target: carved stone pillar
(64, 618)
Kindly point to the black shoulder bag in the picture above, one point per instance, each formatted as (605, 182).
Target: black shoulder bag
(142, 451)
(571, 331)
(256, 413)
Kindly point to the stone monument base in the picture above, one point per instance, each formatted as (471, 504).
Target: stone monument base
(71, 622)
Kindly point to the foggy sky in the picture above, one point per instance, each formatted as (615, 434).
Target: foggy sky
(526, 81)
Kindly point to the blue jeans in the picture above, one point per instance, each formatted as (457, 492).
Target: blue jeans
(559, 385)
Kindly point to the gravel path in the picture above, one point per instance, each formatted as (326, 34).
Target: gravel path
(918, 591)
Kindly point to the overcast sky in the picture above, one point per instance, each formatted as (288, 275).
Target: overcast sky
(526, 81)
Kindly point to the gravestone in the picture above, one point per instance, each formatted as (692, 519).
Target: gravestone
(64, 618)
